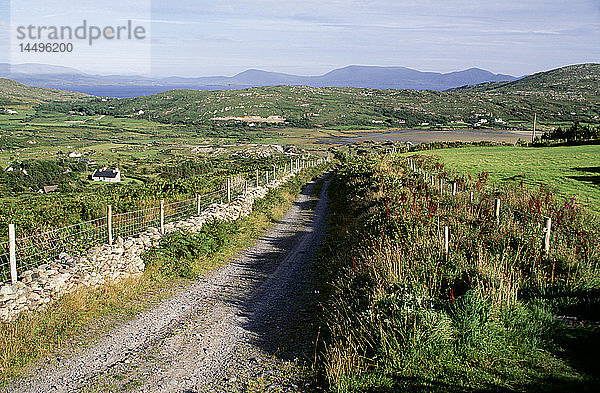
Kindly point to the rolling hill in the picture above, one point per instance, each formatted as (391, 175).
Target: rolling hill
(563, 95)
(573, 98)
(12, 92)
(572, 82)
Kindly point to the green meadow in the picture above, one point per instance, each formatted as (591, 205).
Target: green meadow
(572, 171)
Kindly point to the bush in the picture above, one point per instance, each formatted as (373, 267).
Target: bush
(178, 251)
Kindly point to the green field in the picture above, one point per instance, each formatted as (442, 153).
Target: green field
(573, 171)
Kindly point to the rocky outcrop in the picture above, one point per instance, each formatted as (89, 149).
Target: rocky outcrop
(105, 263)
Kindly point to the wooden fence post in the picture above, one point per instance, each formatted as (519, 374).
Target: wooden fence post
(245, 187)
(162, 216)
(274, 172)
(471, 197)
(547, 230)
(446, 239)
(12, 251)
(228, 190)
(497, 210)
(199, 205)
(110, 226)
(454, 187)
(257, 181)
(441, 185)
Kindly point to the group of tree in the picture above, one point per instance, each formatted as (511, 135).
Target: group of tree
(577, 132)
(32, 175)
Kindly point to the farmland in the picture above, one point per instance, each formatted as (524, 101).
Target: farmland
(570, 171)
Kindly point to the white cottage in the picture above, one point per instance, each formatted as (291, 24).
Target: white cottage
(108, 175)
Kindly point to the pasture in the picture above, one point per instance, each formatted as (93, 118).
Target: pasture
(571, 171)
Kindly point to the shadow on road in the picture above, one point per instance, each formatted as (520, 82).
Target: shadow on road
(280, 312)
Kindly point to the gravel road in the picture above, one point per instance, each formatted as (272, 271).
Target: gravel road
(245, 327)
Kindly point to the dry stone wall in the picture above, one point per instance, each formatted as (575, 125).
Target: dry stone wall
(104, 263)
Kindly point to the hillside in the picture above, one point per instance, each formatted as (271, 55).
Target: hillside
(573, 98)
(12, 92)
(571, 82)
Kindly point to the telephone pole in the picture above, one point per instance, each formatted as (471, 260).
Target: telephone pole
(534, 124)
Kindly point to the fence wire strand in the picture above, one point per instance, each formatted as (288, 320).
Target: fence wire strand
(527, 219)
(45, 247)
(133, 223)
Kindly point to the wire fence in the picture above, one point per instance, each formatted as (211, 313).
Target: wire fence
(180, 210)
(133, 223)
(36, 249)
(491, 202)
(41, 248)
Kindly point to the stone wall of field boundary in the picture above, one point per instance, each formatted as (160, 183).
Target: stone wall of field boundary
(104, 264)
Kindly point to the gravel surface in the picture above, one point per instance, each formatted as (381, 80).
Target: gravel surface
(245, 327)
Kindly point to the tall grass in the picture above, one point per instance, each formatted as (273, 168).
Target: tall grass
(401, 313)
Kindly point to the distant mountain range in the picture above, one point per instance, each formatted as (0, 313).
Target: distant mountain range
(566, 94)
(352, 76)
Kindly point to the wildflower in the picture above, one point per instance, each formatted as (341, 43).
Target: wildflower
(570, 204)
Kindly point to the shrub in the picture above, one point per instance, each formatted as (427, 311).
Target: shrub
(177, 251)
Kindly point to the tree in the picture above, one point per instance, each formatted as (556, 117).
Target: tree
(577, 132)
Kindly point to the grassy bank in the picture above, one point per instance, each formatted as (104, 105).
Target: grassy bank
(79, 318)
(402, 315)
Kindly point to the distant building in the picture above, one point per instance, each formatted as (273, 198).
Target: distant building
(13, 169)
(107, 175)
(74, 155)
(48, 189)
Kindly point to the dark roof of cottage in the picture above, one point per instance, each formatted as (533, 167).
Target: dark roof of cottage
(112, 173)
(50, 188)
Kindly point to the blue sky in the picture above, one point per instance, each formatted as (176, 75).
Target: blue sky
(199, 38)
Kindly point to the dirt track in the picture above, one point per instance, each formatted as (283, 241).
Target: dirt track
(247, 325)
